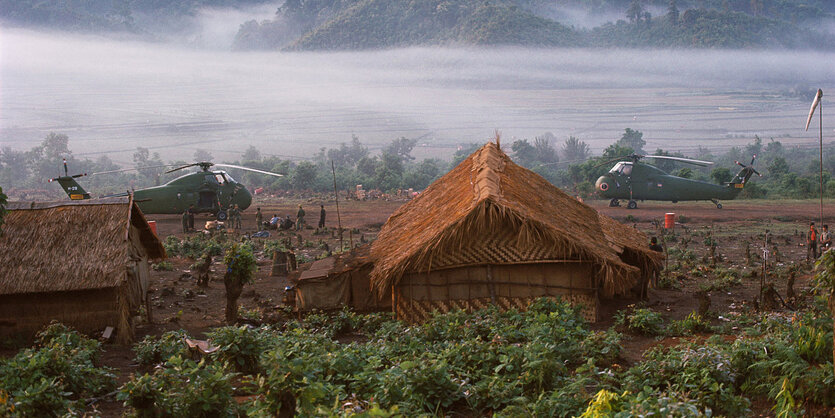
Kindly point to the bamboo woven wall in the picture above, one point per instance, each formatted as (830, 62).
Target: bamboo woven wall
(88, 311)
(507, 286)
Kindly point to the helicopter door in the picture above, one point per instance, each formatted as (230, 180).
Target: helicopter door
(208, 200)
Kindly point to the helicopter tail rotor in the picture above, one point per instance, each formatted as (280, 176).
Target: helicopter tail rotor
(750, 166)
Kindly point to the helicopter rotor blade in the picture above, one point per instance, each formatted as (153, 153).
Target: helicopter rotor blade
(269, 173)
(122, 170)
(182, 167)
(680, 159)
(612, 161)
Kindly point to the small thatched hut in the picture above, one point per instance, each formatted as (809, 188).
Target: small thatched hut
(492, 232)
(81, 263)
(338, 281)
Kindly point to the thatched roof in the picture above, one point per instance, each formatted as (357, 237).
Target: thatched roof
(357, 257)
(485, 192)
(52, 247)
(631, 244)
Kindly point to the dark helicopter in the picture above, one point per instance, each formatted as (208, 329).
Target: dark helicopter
(210, 191)
(634, 180)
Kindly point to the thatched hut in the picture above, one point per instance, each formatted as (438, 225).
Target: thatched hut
(81, 263)
(492, 232)
(338, 281)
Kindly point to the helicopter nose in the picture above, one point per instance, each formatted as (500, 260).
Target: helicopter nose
(244, 198)
(602, 185)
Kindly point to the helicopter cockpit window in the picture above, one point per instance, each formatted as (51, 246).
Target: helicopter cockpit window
(219, 178)
(622, 168)
(229, 178)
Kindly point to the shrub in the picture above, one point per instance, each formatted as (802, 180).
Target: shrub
(152, 350)
(704, 373)
(643, 321)
(162, 266)
(240, 346)
(692, 324)
(54, 377)
(192, 247)
(181, 387)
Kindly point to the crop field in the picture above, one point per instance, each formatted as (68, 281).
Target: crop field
(702, 344)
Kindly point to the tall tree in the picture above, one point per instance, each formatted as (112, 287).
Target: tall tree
(402, 148)
(672, 12)
(251, 154)
(545, 151)
(575, 150)
(635, 11)
(304, 176)
(633, 139)
(524, 152)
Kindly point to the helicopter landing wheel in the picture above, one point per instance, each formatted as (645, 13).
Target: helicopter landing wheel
(632, 204)
(614, 203)
(221, 215)
(716, 202)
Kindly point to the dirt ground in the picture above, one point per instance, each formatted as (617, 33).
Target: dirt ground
(179, 303)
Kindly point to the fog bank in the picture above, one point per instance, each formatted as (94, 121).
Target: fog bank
(112, 96)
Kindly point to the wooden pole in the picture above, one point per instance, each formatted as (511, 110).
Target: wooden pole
(336, 197)
(765, 262)
(820, 127)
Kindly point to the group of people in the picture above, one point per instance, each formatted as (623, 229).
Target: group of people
(817, 243)
(188, 219)
(276, 222)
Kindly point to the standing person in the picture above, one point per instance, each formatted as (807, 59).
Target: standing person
(812, 243)
(191, 217)
(233, 213)
(259, 220)
(826, 239)
(237, 218)
(299, 219)
(654, 246)
(185, 221)
(322, 217)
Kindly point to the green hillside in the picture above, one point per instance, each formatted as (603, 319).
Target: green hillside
(386, 23)
(370, 24)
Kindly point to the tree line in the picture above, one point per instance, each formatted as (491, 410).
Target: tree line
(788, 171)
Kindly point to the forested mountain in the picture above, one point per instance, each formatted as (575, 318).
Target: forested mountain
(368, 24)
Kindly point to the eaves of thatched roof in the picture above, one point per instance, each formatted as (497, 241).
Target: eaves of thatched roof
(53, 247)
(485, 191)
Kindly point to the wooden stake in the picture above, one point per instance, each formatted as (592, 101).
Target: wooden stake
(336, 197)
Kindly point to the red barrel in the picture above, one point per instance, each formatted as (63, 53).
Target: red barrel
(669, 220)
(153, 225)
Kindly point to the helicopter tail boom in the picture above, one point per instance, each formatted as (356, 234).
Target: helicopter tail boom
(73, 189)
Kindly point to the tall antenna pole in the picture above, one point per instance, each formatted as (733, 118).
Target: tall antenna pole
(818, 101)
(336, 196)
(820, 116)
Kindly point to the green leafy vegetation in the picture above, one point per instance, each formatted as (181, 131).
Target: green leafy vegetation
(55, 376)
(194, 246)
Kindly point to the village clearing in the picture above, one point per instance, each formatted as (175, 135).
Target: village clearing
(731, 279)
